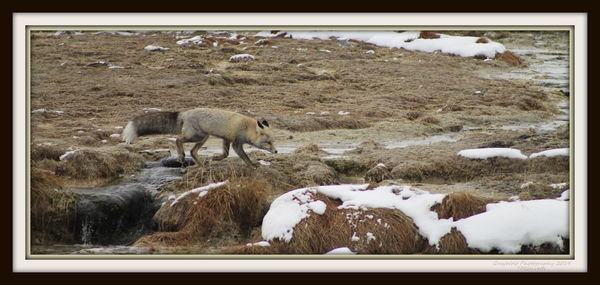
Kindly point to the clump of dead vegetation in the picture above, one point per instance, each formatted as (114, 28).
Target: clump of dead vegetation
(459, 205)
(227, 212)
(509, 57)
(377, 173)
(310, 149)
(284, 172)
(322, 123)
(461, 169)
(90, 165)
(428, 35)
(532, 191)
(52, 209)
(453, 243)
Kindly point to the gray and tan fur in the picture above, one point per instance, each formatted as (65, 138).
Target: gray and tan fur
(197, 125)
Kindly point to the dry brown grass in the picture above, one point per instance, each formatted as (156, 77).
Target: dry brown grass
(454, 243)
(461, 169)
(315, 173)
(431, 120)
(253, 249)
(413, 115)
(321, 123)
(377, 174)
(428, 35)
(482, 40)
(393, 232)
(546, 248)
(52, 209)
(89, 165)
(528, 104)
(534, 191)
(459, 205)
(40, 152)
(226, 213)
(161, 239)
(310, 149)
(510, 58)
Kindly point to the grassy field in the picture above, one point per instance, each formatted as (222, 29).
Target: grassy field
(315, 93)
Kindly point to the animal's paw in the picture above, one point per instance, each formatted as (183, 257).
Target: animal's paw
(218, 158)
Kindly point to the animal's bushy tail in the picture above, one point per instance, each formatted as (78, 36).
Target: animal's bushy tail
(152, 123)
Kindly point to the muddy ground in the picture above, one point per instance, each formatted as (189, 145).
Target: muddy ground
(355, 101)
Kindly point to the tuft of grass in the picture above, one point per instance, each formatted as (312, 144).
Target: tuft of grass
(227, 212)
(377, 174)
(318, 124)
(428, 35)
(510, 58)
(46, 152)
(461, 169)
(459, 205)
(454, 243)
(431, 120)
(52, 209)
(413, 115)
(89, 165)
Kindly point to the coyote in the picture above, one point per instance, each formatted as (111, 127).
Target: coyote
(197, 125)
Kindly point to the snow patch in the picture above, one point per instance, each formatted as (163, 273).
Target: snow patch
(260, 243)
(456, 45)
(485, 153)
(340, 250)
(195, 40)
(507, 226)
(551, 153)
(38, 111)
(564, 196)
(66, 154)
(155, 48)
(202, 191)
(240, 57)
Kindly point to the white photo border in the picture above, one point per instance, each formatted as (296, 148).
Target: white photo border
(21, 21)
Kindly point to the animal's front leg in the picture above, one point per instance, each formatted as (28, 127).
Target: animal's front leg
(237, 147)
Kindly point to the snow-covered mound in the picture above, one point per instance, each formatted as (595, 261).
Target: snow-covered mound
(456, 45)
(505, 226)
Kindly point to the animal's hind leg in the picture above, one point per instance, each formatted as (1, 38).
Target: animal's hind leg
(180, 151)
(226, 146)
(195, 149)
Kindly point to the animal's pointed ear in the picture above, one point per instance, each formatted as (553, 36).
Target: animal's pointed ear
(260, 125)
(265, 123)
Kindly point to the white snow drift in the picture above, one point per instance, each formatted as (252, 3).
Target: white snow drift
(456, 45)
(505, 226)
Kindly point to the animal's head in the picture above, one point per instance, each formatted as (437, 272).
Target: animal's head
(265, 137)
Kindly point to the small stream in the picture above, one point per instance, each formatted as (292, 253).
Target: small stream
(108, 218)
